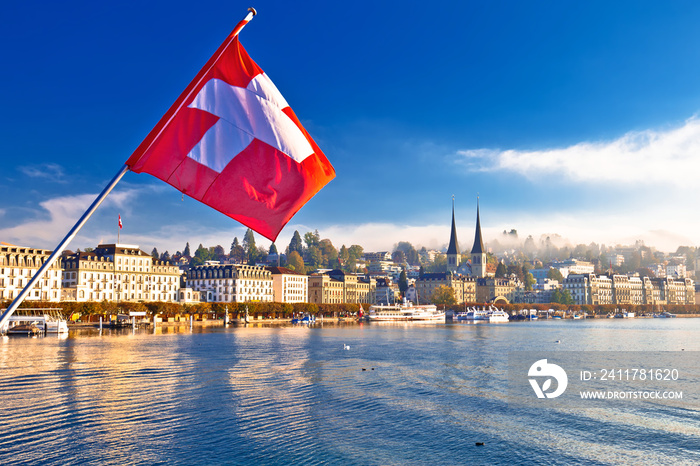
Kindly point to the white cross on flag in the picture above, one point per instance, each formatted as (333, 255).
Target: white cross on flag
(232, 142)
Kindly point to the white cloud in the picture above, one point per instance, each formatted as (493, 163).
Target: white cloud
(53, 221)
(48, 171)
(646, 156)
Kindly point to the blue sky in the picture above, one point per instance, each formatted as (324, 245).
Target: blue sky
(575, 119)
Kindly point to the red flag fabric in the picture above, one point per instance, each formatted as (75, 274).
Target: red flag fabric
(120, 221)
(232, 142)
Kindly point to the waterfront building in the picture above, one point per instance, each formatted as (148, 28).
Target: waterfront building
(464, 287)
(189, 296)
(491, 289)
(336, 286)
(636, 290)
(577, 285)
(289, 286)
(231, 283)
(629, 290)
(589, 288)
(118, 272)
(453, 256)
(18, 264)
(601, 289)
(622, 289)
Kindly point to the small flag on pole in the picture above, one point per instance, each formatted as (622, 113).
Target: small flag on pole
(120, 221)
(232, 142)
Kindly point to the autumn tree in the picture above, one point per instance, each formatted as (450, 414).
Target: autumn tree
(443, 295)
(295, 262)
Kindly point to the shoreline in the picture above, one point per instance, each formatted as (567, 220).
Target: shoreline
(237, 322)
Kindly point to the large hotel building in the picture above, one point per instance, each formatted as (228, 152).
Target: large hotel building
(118, 272)
(19, 264)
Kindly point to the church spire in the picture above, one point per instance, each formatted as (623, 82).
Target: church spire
(453, 256)
(478, 254)
(478, 242)
(453, 247)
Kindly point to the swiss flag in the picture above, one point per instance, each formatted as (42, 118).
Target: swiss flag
(232, 142)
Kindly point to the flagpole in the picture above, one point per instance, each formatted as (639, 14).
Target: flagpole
(71, 234)
(60, 248)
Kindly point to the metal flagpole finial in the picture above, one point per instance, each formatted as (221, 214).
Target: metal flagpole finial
(252, 10)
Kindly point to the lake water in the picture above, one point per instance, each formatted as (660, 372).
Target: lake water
(401, 394)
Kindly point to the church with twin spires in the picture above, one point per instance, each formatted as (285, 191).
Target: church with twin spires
(475, 285)
(478, 254)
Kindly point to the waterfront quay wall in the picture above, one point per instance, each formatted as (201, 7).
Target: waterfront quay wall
(602, 310)
(166, 312)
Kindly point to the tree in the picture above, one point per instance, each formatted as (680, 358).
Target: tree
(411, 255)
(234, 244)
(403, 282)
(343, 258)
(555, 274)
(314, 257)
(399, 257)
(501, 270)
(295, 262)
(186, 252)
(155, 254)
(312, 239)
(529, 281)
(273, 249)
(562, 297)
(249, 246)
(329, 255)
(515, 269)
(296, 244)
(165, 257)
(237, 254)
(443, 294)
(201, 255)
(438, 265)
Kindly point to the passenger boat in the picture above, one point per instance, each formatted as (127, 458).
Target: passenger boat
(405, 313)
(492, 314)
(44, 323)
